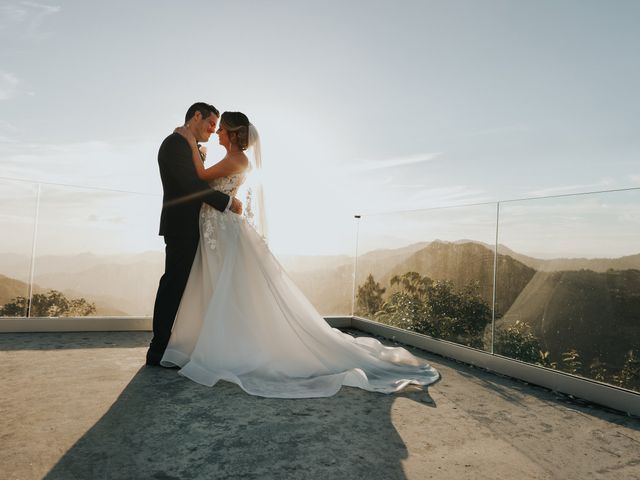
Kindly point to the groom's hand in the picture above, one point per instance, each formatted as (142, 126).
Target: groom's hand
(236, 206)
(186, 133)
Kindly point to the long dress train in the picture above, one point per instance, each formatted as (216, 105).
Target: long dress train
(243, 320)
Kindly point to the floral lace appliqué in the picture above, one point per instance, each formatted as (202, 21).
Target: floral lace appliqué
(206, 214)
(211, 218)
(248, 210)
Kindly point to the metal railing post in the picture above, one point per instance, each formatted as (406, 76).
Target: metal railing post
(495, 276)
(355, 267)
(33, 251)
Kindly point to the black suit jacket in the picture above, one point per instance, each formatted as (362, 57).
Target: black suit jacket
(184, 192)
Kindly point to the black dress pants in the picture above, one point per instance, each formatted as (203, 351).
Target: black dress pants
(179, 255)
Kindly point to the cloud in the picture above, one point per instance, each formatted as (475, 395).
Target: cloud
(8, 127)
(131, 167)
(24, 19)
(635, 179)
(454, 195)
(500, 130)
(371, 197)
(38, 15)
(7, 132)
(604, 184)
(368, 165)
(8, 85)
(11, 14)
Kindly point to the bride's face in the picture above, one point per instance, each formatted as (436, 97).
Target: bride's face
(223, 136)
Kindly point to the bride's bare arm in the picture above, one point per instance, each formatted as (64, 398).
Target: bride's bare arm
(225, 167)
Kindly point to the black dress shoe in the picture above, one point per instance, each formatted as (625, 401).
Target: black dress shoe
(153, 358)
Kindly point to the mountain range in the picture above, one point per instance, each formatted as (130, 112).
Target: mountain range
(596, 313)
(117, 284)
(589, 304)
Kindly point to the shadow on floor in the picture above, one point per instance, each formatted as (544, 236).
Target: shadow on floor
(164, 426)
(516, 391)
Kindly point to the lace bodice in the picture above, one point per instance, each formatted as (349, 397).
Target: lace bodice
(210, 218)
(229, 184)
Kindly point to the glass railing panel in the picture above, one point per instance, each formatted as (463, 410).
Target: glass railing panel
(568, 284)
(98, 253)
(429, 271)
(18, 201)
(320, 262)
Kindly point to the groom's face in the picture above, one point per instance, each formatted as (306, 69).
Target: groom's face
(204, 127)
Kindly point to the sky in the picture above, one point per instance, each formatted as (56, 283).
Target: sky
(362, 106)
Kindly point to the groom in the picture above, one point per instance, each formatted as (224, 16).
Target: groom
(183, 195)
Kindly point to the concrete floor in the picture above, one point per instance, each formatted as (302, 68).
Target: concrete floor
(82, 406)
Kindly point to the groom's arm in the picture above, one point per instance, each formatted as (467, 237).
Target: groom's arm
(176, 159)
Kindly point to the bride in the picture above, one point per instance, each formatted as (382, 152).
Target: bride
(243, 320)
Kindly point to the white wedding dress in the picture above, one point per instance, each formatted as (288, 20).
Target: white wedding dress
(243, 320)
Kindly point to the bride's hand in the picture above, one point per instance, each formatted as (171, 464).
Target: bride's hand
(186, 133)
(236, 206)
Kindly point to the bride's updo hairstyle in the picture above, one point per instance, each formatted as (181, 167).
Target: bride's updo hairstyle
(237, 123)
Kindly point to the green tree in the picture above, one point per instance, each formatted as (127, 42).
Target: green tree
(598, 371)
(369, 298)
(545, 360)
(79, 307)
(436, 308)
(17, 307)
(629, 376)
(50, 304)
(571, 362)
(516, 341)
